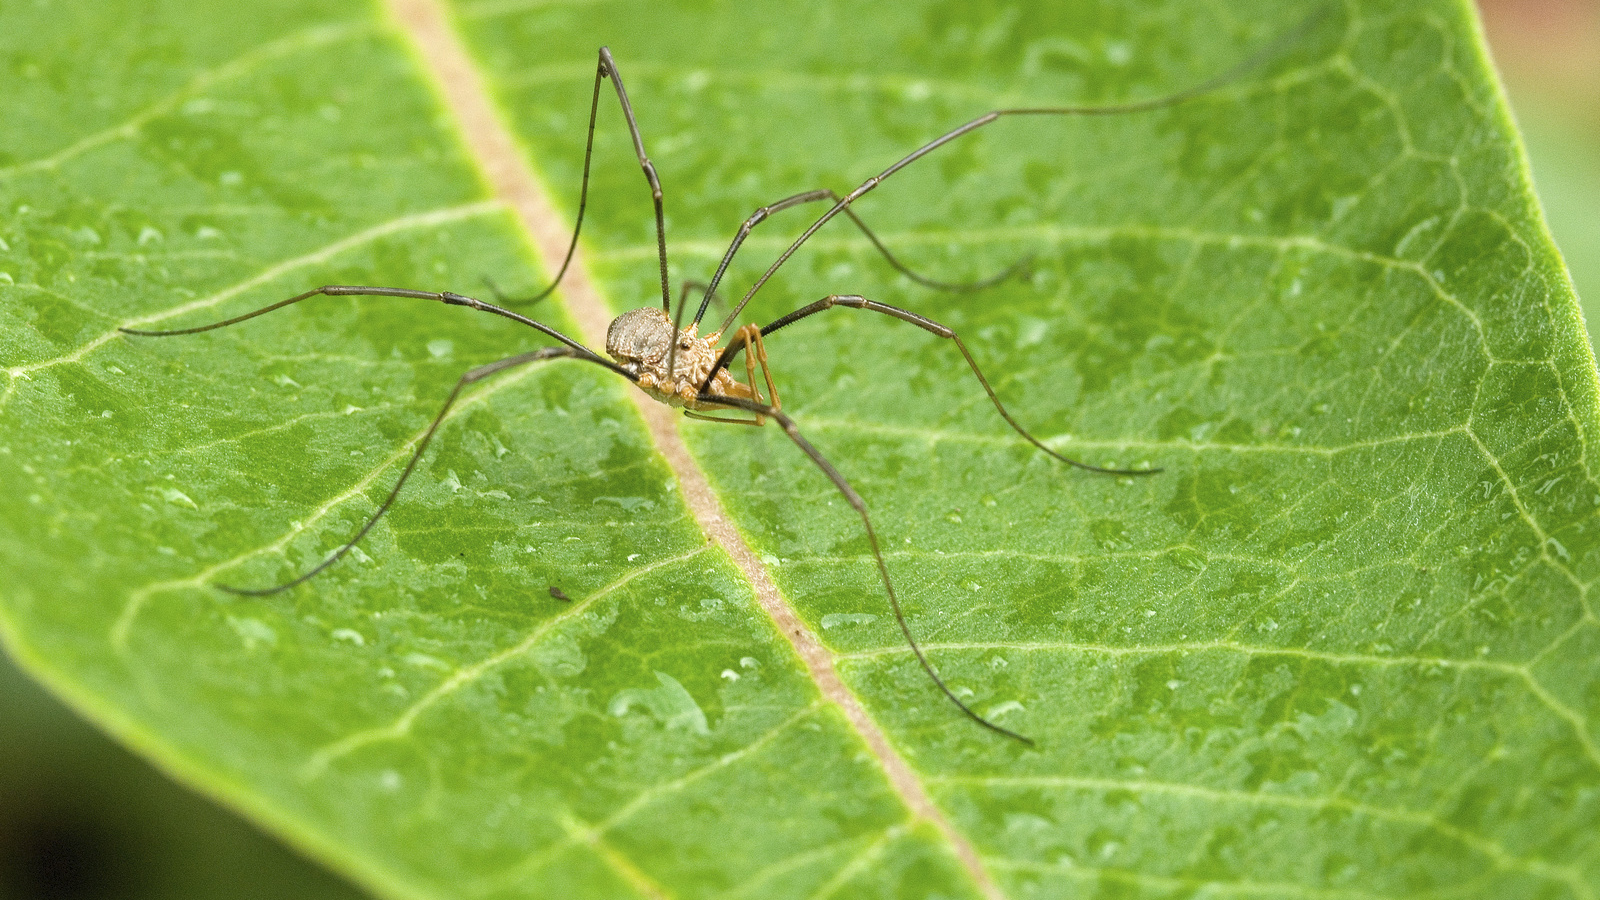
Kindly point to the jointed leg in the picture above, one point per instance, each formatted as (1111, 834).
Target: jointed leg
(852, 301)
(764, 212)
(860, 506)
(720, 420)
(756, 352)
(1269, 52)
(749, 337)
(607, 68)
(348, 290)
(571, 350)
(690, 284)
(475, 375)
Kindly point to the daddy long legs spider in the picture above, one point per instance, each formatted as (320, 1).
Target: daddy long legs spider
(675, 364)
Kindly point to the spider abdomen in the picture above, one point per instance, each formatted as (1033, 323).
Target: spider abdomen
(641, 342)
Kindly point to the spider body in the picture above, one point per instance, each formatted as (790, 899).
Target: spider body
(641, 343)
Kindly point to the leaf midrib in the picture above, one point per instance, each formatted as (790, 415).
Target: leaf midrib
(441, 53)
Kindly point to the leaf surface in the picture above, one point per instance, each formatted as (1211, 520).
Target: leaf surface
(1341, 646)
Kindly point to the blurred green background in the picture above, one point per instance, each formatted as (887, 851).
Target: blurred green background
(1548, 53)
(82, 818)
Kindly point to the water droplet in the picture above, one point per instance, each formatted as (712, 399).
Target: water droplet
(253, 632)
(670, 704)
(834, 620)
(173, 495)
(427, 662)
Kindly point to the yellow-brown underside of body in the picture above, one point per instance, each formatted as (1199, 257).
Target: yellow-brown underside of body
(685, 393)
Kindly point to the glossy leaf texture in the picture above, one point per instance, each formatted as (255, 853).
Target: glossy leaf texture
(1342, 646)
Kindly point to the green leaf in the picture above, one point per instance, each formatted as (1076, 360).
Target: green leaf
(1567, 168)
(1342, 646)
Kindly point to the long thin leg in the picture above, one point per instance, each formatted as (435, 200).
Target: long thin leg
(478, 374)
(764, 212)
(756, 353)
(860, 506)
(607, 68)
(677, 322)
(690, 284)
(722, 420)
(853, 301)
(1270, 51)
(502, 297)
(347, 290)
(583, 203)
(749, 337)
(360, 290)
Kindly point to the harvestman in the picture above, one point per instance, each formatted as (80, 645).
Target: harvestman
(692, 371)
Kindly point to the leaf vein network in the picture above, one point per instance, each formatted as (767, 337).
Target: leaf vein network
(410, 221)
(202, 579)
(313, 38)
(1493, 850)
